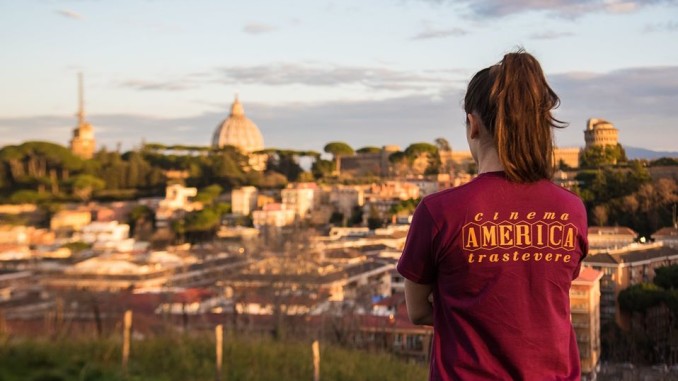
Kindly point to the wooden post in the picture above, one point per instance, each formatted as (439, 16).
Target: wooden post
(219, 333)
(316, 360)
(127, 327)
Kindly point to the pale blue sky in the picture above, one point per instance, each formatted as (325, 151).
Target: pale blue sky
(367, 72)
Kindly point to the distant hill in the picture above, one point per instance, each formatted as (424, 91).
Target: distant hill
(642, 153)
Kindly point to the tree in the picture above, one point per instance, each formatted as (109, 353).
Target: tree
(442, 144)
(26, 196)
(374, 219)
(322, 168)
(208, 194)
(141, 221)
(369, 149)
(596, 156)
(338, 149)
(84, 185)
(666, 277)
(600, 215)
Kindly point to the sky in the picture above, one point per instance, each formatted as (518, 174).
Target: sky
(370, 73)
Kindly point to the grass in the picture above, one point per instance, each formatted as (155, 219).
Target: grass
(187, 358)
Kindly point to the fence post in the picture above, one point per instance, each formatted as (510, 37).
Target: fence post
(219, 333)
(127, 327)
(316, 360)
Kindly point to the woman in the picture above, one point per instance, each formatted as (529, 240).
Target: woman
(489, 264)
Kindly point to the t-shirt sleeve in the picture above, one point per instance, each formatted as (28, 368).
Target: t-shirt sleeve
(417, 260)
(582, 241)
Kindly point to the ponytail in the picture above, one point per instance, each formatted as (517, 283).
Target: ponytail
(514, 101)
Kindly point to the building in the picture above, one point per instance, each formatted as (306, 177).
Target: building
(600, 133)
(244, 200)
(176, 202)
(107, 236)
(585, 313)
(276, 215)
(300, 197)
(82, 143)
(568, 156)
(70, 220)
(623, 268)
(669, 236)
(366, 163)
(239, 131)
(610, 237)
(345, 198)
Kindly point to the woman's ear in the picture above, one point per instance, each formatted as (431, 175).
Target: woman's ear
(474, 125)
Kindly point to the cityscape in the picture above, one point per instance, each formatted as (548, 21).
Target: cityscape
(216, 254)
(292, 252)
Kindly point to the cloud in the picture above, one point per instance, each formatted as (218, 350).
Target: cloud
(326, 75)
(145, 85)
(669, 26)
(639, 101)
(431, 33)
(550, 35)
(559, 8)
(305, 74)
(69, 14)
(257, 28)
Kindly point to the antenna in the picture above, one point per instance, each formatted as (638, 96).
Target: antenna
(81, 99)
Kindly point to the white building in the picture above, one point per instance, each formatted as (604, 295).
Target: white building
(300, 197)
(107, 236)
(177, 199)
(344, 198)
(244, 200)
(273, 215)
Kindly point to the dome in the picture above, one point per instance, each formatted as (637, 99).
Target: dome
(238, 131)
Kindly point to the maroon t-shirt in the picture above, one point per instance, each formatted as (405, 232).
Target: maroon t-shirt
(501, 257)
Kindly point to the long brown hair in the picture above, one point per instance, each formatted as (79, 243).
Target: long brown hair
(514, 102)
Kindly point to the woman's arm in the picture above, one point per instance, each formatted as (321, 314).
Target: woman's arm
(419, 307)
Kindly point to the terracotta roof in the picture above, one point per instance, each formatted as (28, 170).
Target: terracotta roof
(605, 230)
(588, 274)
(632, 255)
(666, 232)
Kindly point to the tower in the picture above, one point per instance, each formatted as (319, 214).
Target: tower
(82, 143)
(600, 132)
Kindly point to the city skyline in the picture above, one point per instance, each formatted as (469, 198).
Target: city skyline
(388, 72)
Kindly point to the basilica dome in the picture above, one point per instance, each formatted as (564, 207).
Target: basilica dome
(238, 131)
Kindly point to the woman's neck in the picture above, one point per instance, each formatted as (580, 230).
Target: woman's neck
(488, 160)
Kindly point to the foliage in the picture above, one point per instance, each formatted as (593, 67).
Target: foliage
(403, 160)
(369, 149)
(626, 196)
(666, 277)
(285, 163)
(406, 206)
(442, 144)
(179, 358)
(337, 218)
(338, 149)
(77, 246)
(26, 196)
(266, 180)
(374, 219)
(597, 156)
(664, 161)
(208, 194)
(640, 297)
(356, 218)
(84, 185)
